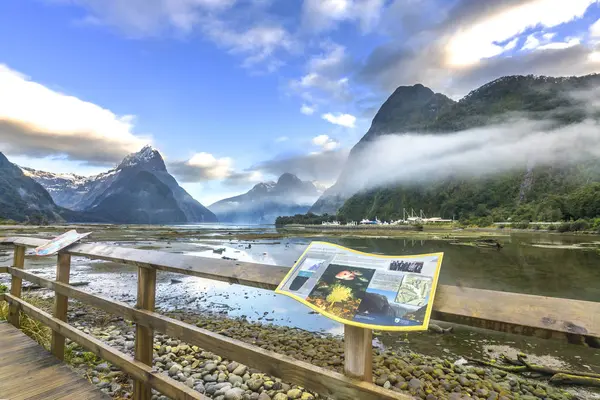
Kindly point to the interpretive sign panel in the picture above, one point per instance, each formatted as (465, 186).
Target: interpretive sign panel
(60, 242)
(393, 293)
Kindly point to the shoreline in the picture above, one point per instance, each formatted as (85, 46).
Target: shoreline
(400, 370)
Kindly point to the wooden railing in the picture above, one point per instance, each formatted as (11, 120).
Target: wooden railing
(510, 312)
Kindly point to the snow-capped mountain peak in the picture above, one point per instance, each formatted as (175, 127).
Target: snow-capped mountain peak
(147, 156)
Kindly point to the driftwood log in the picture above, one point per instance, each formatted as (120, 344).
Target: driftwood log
(558, 376)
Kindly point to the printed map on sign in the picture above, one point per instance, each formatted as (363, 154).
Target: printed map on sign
(368, 290)
(60, 242)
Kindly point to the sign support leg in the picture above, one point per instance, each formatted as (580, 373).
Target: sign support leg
(358, 352)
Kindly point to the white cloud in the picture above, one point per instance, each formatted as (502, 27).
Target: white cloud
(321, 15)
(38, 121)
(259, 43)
(560, 45)
(325, 142)
(330, 62)
(480, 40)
(595, 29)
(466, 32)
(210, 166)
(322, 166)
(346, 120)
(510, 45)
(531, 43)
(307, 110)
(232, 28)
(149, 17)
(325, 78)
(205, 167)
(337, 88)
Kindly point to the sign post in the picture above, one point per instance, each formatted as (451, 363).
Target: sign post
(358, 352)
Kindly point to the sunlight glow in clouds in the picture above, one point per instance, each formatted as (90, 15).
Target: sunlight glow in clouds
(39, 120)
(346, 120)
(482, 39)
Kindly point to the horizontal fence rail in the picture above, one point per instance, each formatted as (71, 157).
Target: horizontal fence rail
(323, 381)
(509, 312)
(503, 311)
(139, 371)
(318, 379)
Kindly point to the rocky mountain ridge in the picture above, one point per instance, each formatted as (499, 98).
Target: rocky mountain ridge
(138, 190)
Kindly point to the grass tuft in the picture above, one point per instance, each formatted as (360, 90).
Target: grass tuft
(32, 328)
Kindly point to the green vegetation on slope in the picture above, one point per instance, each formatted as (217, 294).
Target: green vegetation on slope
(548, 193)
(559, 195)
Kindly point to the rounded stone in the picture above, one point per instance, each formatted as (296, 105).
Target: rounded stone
(240, 370)
(174, 370)
(254, 384)
(415, 384)
(234, 394)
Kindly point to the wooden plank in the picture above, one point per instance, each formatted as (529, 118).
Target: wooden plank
(61, 304)
(3, 270)
(517, 313)
(358, 352)
(536, 315)
(144, 336)
(29, 372)
(320, 380)
(16, 284)
(137, 370)
(244, 273)
(107, 304)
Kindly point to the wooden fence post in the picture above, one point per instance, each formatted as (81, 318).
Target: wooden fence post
(144, 336)
(358, 353)
(16, 285)
(61, 303)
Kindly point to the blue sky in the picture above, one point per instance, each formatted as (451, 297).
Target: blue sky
(233, 92)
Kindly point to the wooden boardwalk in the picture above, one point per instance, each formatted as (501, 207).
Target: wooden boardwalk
(28, 371)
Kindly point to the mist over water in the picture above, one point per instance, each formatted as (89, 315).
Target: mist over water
(513, 141)
(518, 144)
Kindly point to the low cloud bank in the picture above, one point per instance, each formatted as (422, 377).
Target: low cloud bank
(414, 157)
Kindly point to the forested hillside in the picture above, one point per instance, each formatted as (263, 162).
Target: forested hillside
(539, 192)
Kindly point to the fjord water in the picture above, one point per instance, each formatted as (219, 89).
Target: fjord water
(532, 263)
(545, 264)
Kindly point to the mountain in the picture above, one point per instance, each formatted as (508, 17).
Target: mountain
(268, 200)
(408, 108)
(526, 192)
(138, 190)
(22, 198)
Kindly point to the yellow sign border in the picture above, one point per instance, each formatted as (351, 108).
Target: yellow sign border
(421, 327)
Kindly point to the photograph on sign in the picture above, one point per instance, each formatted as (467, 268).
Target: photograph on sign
(367, 290)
